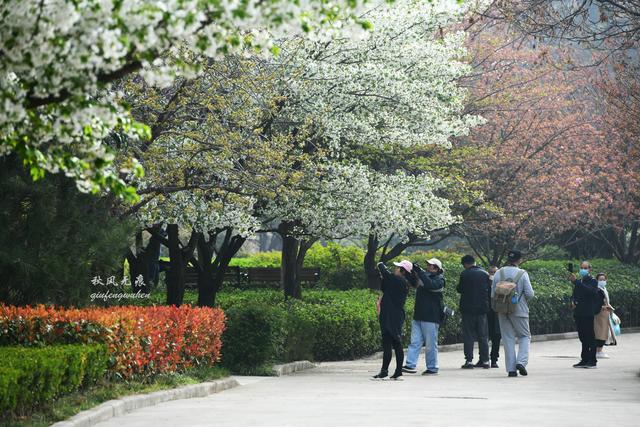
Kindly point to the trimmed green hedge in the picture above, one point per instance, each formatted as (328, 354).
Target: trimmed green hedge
(30, 376)
(331, 324)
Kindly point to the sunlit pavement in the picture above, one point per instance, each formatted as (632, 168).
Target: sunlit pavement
(340, 393)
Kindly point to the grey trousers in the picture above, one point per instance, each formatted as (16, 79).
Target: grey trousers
(512, 327)
(475, 328)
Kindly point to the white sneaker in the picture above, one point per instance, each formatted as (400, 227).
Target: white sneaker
(602, 355)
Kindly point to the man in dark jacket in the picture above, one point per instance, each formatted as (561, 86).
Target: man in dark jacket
(474, 286)
(427, 316)
(587, 300)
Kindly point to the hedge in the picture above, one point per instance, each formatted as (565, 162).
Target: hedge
(141, 340)
(30, 376)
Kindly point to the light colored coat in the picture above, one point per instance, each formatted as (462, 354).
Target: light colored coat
(601, 325)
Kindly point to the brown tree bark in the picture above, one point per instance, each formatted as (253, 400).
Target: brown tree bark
(212, 263)
(180, 256)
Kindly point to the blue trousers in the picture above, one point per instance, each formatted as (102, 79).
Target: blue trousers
(423, 333)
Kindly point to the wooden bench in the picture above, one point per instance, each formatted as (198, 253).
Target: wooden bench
(270, 275)
(237, 276)
(233, 274)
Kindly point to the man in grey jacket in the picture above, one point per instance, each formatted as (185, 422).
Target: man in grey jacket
(516, 324)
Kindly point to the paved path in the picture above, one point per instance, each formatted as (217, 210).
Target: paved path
(340, 394)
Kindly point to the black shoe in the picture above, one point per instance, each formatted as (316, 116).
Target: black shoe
(409, 370)
(521, 369)
(513, 374)
(494, 365)
(467, 365)
(396, 375)
(483, 365)
(581, 364)
(381, 375)
(590, 365)
(430, 372)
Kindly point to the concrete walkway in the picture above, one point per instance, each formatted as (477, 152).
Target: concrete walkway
(341, 394)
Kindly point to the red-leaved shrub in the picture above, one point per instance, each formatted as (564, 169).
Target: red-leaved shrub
(141, 340)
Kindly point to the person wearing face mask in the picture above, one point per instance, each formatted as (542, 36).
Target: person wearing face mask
(601, 325)
(587, 301)
(494, 325)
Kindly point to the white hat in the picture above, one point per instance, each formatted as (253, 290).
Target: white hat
(436, 262)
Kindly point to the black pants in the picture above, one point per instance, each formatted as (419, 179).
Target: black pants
(586, 333)
(474, 328)
(391, 342)
(494, 335)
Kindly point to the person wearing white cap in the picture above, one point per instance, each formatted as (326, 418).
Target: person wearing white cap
(427, 316)
(392, 315)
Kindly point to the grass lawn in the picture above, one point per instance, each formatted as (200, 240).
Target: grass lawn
(69, 405)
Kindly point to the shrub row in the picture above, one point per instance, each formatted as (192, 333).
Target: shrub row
(335, 325)
(31, 376)
(140, 340)
(327, 325)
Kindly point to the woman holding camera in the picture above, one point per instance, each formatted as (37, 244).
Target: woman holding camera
(394, 296)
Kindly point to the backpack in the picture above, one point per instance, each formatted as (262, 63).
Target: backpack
(505, 292)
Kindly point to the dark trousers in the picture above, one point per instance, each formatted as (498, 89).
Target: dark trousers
(475, 328)
(586, 333)
(390, 342)
(494, 335)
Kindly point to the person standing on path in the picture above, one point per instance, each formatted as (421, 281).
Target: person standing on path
(494, 325)
(587, 301)
(602, 325)
(474, 287)
(515, 325)
(392, 315)
(427, 316)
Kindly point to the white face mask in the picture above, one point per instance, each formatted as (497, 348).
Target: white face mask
(491, 276)
(602, 284)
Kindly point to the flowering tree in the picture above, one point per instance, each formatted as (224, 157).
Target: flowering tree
(208, 164)
(537, 144)
(59, 56)
(614, 185)
(395, 89)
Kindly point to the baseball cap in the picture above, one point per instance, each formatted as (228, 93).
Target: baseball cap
(406, 264)
(436, 262)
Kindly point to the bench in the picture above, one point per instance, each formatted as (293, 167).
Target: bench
(233, 274)
(237, 276)
(265, 274)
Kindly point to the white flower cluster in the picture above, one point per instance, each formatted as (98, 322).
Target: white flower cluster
(347, 200)
(398, 86)
(59, 55)
(202, 211)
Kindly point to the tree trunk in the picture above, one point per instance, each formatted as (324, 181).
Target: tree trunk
(294, 251)
(288, 268)
(211, 271)
(179, 259)
(371, 272)
(144, 262)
